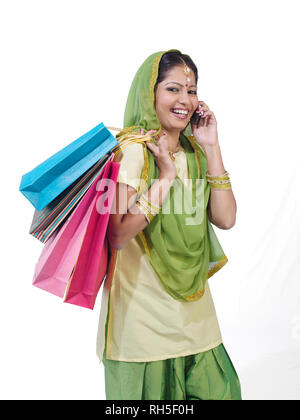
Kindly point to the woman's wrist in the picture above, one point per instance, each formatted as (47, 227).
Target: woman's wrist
(166, 176)
(214, 159)
(210, 148)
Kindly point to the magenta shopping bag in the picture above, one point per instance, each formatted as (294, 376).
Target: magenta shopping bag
(92, 263)
(60, 253)
(55, 265)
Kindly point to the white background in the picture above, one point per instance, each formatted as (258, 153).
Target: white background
(66, 66)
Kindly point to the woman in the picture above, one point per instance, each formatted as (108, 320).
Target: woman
(158, 333)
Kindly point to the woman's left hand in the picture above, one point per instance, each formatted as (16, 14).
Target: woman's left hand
(206, 134)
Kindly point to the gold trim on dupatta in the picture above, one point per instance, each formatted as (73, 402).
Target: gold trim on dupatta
(217, 266)
(154, 76)
(197, 153)
(111, 265)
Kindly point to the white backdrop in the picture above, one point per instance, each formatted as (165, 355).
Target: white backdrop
(66, 66)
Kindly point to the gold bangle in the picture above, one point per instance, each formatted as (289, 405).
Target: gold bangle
(152, 207)
(146, 207)
(146, 214)
(149, 216)
(221, 189)
(217, 177)
(226, 181)
(226, 186)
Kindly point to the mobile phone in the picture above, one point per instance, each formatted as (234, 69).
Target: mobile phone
(195, 119)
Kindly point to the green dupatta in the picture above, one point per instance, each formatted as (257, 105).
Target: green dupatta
(180, 242)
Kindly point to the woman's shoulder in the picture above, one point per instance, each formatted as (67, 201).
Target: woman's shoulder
(131, 158)
(130, 148)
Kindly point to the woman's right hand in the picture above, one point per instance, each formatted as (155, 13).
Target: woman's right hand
(161, 155)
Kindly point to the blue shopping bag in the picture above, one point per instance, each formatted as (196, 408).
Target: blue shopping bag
(45, 182)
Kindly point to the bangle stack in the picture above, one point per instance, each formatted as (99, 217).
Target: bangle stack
(149, 209)
(219, 181)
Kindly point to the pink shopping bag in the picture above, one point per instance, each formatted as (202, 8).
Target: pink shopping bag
(92, 263)
(60, 253)
(57, 260)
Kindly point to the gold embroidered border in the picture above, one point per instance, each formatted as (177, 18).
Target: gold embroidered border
(144, 175)
(143, 239)
(217, 266)
(128, 141)
(111, 265)
(126, 130)
(197, 144)
(154, 76)
(152, 84)
(195, 296)
(211, 272)
(194, 146)
(109, 315)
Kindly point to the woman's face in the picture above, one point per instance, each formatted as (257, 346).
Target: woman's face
(172, 94)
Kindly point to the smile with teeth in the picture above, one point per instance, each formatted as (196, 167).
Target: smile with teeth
(180, 113)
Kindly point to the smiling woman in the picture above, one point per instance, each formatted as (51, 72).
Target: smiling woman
(159, 336)
(175, 99)
(175, 96)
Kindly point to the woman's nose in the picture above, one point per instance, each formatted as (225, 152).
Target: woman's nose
(185, 98)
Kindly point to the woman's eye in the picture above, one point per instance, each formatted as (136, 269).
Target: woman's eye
(193, 92)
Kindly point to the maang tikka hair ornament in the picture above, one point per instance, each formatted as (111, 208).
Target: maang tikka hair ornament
(187, 72)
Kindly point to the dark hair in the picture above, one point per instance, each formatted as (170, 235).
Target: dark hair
(173, 59)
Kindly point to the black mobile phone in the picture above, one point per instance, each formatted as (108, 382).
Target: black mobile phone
(195, 119)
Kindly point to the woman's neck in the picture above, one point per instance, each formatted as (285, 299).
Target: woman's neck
(173, 139)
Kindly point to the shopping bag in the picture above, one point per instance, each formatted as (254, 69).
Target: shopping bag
(45, 222)
(60, 253)
(58, 257)
(45, 182)
(92, 263)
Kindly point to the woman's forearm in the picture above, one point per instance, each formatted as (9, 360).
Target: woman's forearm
(222, 204)
(134, 220)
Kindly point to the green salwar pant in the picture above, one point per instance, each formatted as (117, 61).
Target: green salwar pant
(209, 375)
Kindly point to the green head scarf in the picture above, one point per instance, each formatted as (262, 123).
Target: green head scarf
(180, 242)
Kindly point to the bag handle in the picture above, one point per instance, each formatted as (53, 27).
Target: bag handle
(114, 128)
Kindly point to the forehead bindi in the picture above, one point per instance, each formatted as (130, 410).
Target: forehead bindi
(176, 75)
